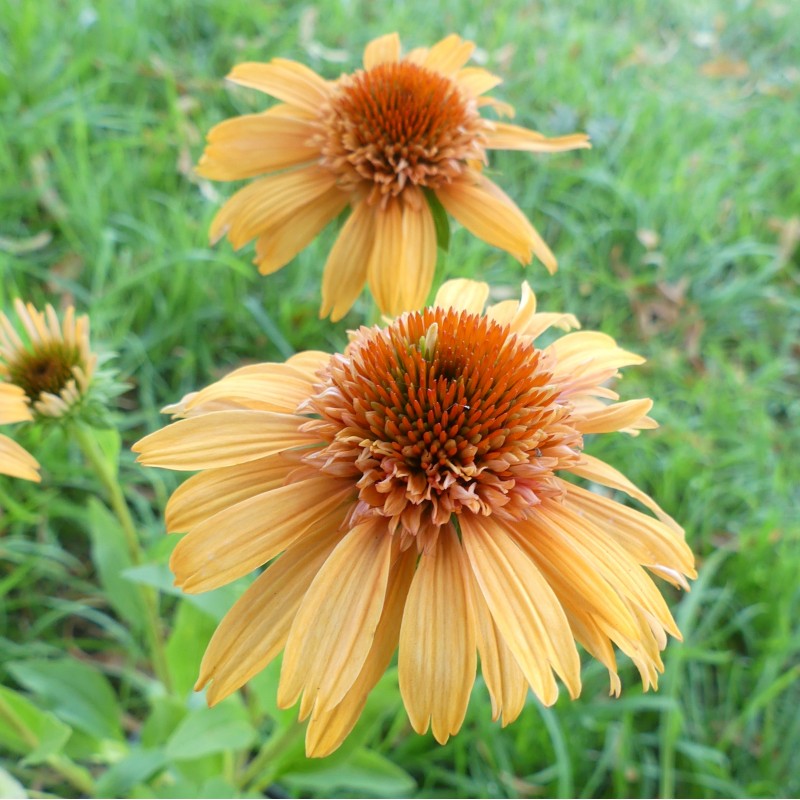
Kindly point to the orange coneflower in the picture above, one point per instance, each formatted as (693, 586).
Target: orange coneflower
(412, 492)
(49, 361)
(376, 140)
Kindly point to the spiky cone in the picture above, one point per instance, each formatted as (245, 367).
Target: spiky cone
(375, 142)
(412, 493)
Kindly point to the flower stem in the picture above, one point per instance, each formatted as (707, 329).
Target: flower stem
(107, 475)
(80, 778)
(256, 776)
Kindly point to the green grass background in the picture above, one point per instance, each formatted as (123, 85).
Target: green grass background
(677, 234)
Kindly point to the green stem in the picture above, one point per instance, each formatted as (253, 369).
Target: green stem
(80, 778)
(107, 474)
(256, 777)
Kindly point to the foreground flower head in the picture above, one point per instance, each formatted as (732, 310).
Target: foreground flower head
(47, 361)
(411, 493)
(376, 140)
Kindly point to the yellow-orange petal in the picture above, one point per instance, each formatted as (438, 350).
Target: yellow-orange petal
(255, 629)
(476, 80)
(448, 55)
(242, 537)
(282, 243)
(648, 540)
(539, 246)
(13, 404)
(327, 729)
(504, 136)
(525, 609)
(16, 461)
(522, 317)
(269, 202)
(220, 439)
(263, 387)
(593, 469)
(437, 658)
(346, 268)
(615, 417)
(504, 679)
(253, 144)
(613, 562)
(309, 362)
(211, 491)
(286, 80)
(483, 214)
(462, 294)
(386, 261)
(336, 622)
(384, 49)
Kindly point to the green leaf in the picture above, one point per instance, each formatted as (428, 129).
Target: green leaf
(137, 767)
(74, 691)
(28, 730)
(440, 221)
(111, 559)
(364, 771)
(164, 718)
(187, 643)
(10, 786)
(211, 730)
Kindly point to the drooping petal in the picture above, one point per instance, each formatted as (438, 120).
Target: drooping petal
(504, 679)
(327, 729)
(211, 491)
(16, 461)
(242, 537)
(384, 49)
(504, 136)
(269, 202)
(255, 630)
(462, 293)
(220, 439)
(386, 259)
(593, 469)
(309, 362)
(253, 144)
(286, 80)
(413, 280)
(619, 567)
(346, 268)
(524, 608)
(437, 658)
(648, 540)
(336, 622)
(496, 221)
(282, 243)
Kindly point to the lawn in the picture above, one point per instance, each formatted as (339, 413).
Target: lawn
(678, 234)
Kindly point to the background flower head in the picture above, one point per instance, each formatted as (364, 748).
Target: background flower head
(48, 360)
(412, 492)
(380, 140)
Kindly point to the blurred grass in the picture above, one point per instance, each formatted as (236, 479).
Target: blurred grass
(677, 234)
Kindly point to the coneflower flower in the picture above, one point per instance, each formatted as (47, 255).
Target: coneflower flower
(49, 361)
(382, 141)
(15, 460)
(416, 491)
